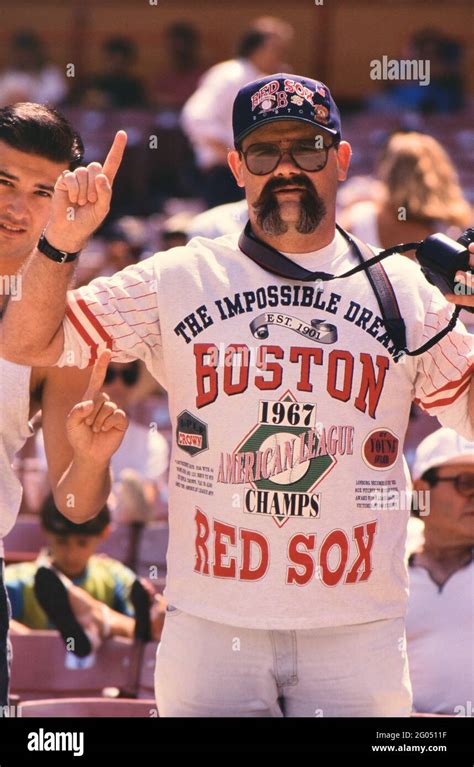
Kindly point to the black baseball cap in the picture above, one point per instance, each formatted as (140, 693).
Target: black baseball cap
(284, 97)
(54, 522)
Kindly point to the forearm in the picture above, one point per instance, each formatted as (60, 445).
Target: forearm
(83, 490)
(30, 327)
(112, 623)
(121, 625)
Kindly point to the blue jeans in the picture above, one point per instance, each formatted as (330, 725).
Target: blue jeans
(5, 645)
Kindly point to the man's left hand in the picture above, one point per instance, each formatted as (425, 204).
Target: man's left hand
(96, 426)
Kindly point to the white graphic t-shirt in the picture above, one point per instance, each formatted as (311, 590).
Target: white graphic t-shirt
(288, 500)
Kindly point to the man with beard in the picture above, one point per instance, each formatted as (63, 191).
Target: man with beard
(284, 201)
(286, 583)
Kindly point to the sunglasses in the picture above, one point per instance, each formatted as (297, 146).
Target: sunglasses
(264, 157)
(129, 375)
(464, 483)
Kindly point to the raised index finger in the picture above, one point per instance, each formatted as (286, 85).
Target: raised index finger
(97, 378)
(114, 157)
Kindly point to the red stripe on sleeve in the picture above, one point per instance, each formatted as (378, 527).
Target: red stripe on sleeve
(453, 384)
(83, 333)
(447, 400)
(95, 322)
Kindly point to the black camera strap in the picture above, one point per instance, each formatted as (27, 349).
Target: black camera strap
(386, 298)
(272, 260)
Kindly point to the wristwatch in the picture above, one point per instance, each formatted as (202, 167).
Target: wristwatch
(60, 256)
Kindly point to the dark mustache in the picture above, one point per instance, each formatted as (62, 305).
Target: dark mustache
(280, 183)
(267, 207)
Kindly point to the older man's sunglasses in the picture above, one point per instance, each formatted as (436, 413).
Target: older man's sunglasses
(464, 483)
(263, 157)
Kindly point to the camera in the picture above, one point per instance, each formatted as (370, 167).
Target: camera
(440, 258)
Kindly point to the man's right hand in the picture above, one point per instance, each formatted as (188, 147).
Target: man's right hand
(81, 199)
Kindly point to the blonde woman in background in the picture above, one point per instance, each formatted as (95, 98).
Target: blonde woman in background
(419, 195)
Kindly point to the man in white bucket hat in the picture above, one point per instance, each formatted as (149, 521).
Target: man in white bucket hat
(440, 619)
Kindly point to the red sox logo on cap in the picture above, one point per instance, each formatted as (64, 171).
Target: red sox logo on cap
(284, 96)
(273, 96)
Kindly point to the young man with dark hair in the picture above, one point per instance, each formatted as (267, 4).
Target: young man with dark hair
(43, 131)
(37, 145)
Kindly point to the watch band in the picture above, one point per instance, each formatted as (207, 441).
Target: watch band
(60, 256)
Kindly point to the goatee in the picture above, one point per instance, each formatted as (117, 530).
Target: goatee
(267, 207)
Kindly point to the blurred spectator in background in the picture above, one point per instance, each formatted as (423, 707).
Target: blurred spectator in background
(117, 87)
(87, 597)
(178, 81)
(440, 619)
(116, 247)
(174, 232)
(29, 76)
(444, 93)
(207, 115)
(140, 466)
(446, 89)
(358, 188)
(420, 195)
(119, 251)
(224, 219)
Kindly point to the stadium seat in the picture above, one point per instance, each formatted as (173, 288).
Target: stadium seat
(56, 672)
(121, 544)
(88, 707)
(27, 535)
